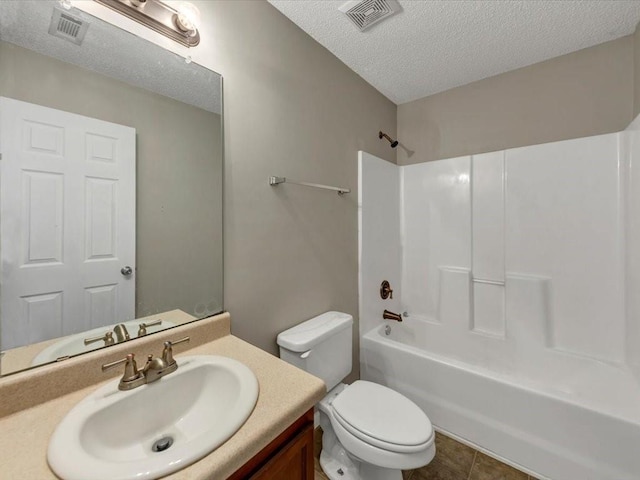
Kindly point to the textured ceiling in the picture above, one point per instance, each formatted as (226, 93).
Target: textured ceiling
(435, 45)
(113, 52)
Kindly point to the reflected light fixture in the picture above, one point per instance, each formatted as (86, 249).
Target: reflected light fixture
(175, 20)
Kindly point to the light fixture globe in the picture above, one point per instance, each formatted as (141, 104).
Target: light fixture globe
(187, 17)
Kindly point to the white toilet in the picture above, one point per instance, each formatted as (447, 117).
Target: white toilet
(370, 431)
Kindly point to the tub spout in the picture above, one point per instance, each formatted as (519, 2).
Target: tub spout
(387, 315)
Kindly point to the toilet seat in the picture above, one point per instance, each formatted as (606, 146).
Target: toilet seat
(365, 451)
(390, 447)
(382, 417)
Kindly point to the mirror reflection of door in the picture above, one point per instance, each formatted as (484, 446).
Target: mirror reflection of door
(67, 186)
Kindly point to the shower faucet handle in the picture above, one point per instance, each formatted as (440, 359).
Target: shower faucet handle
(385, 290)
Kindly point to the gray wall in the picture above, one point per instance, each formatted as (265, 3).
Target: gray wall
(636, 63)
(584, 93)
(179, 174)
(293, 109)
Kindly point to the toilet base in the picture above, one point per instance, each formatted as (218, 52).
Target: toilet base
(337, 464)
(339, 470)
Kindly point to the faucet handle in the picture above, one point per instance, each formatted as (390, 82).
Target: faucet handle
(167, 352)
(107, 337)
(132, 377)
(385, 290)
(142, 328)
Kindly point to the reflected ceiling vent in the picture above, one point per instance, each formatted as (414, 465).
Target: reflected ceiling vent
(68, 26)
(366, 13)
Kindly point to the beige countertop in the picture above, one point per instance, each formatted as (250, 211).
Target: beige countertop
(285, 394)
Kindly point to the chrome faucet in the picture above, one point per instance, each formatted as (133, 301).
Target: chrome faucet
(387, 315)
(121, 332)
(153, 370)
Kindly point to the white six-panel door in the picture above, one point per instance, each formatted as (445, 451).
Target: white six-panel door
(67, 222)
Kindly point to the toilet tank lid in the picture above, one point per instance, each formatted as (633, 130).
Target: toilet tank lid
(308, 334)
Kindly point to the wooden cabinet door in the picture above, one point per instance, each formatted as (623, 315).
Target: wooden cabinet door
(294, 461)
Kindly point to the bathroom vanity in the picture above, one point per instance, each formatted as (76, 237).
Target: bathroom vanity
(276, 441)
(289, 456)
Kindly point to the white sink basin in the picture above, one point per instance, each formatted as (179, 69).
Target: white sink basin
(110, 434)
(74, 344)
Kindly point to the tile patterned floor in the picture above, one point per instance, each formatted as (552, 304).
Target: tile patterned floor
(453, 461)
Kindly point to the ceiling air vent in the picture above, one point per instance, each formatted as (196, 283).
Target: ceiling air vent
(68, 26)
(366, 13)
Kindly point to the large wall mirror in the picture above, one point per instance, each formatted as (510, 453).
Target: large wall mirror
(110, 186)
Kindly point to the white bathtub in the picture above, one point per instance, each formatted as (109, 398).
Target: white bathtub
(559, 420)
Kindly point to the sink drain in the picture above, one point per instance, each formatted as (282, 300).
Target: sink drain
(163, 444)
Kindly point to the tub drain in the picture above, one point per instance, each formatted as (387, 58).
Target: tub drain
(163, 444)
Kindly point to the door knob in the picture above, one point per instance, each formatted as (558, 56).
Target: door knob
(126, 271)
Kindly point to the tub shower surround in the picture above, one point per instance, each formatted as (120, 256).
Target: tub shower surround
(520, 273)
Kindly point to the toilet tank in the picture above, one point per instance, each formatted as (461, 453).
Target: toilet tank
(320, 346)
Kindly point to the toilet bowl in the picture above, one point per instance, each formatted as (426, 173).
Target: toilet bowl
(371, 432)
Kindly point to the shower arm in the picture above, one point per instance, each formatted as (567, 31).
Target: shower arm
(394, 143)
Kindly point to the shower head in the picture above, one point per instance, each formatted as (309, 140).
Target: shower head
(394, 143)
